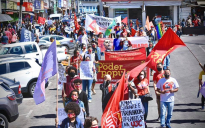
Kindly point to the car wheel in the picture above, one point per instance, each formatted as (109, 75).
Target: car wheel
(32, 88)
(3, 121)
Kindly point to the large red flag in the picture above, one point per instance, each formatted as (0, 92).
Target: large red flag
(111, 117)
(41, 20)
(135, 72)
(168, 43)
(124, 20)
(133, 31)
(77, 26)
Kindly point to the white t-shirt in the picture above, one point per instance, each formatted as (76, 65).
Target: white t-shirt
(167, 84)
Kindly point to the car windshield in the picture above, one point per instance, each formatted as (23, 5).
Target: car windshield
(4, 50)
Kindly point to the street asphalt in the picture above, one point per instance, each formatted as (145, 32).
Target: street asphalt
(187, 113)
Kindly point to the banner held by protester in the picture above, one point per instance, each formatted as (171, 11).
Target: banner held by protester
(86, 70)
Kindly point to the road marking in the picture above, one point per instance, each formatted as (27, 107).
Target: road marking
(202, 48)
(29, 113)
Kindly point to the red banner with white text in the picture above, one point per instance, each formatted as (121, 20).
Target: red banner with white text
(135, 54)
(116, 68)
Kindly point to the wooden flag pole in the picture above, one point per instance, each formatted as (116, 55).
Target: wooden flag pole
(196, 58)
(56, 96)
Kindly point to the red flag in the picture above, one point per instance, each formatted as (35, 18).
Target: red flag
(77, 26)
(147, 25)
(124, 20)
(112, 116)
(168, 43)
(135, 72)
(41, 20)
(133, 31)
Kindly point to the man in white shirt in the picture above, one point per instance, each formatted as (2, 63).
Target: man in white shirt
(167, 86)
(83, 39)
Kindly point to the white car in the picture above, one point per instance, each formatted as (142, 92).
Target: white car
(32, 50)
(24, 70)
(67, 42)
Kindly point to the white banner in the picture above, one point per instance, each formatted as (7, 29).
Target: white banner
(102, 22)
(138, 41)
(132, 112)
(86, 70)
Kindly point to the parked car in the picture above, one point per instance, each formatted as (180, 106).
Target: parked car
(32, 50)
(67, 42)
(24, 70)
(15, 86)
(8, 106)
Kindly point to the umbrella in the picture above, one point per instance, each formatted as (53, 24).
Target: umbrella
(65, 19)
(5, 17)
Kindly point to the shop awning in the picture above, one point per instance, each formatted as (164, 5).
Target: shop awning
(201, 2)
(5, 17)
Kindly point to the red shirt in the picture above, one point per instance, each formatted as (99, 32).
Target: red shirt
(142, 86)
(157, 76)
(75, 59)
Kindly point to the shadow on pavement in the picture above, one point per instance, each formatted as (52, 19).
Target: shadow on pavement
(53, 89)
(187, 110)
(43, 126)
(191, 104)
(187, 121)
(46, 116)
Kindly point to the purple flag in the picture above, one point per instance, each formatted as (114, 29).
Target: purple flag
(202, 91)
(48, 69)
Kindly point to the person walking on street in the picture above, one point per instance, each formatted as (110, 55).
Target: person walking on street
(167, 86)
(88, 83)
(76, 59)
(82, 95)
(4, 39)
(116, 43)
(202, 73)
(157, 76)
(14, 38)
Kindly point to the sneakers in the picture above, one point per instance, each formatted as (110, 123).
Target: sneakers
(89, 101)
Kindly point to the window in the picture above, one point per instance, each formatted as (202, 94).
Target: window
(4, 86)
(45, 38)
(18, 66)
(16, 50)
(4, 50)
(59, 38)
(2, 69)
(30, 48)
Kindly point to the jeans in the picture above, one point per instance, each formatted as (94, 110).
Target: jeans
(76, 37)
(88, 84)
(166, 106)
(145, 105)
(67, 35)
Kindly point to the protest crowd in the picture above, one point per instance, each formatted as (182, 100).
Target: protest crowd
(120, 39)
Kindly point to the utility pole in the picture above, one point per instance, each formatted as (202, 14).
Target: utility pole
(101, 8)
(20, 13)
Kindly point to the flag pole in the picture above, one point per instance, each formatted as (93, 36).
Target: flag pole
(196, 58)
(56, 96)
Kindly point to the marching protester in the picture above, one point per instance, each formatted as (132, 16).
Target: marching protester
(126, 44)
(76, 59)
(153, 35)
(157, 76)
(14, 38)
(82, 39)
(4, 39)
(83, 50)
(148, 50)
(74, 97)
(69, 85)
(91, 122)
(82, 95)
(200, 85)
(72, 121)
(142, 86)
(88, 83)
(107, 90)
(178, 26)
(167, 86)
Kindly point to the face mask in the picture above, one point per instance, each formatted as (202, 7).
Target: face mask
(71, 115)
(166, 76)
(78, 54)
(141, 77)
(78, 87)
(89, 51)
(94, 126)
(84, 47)
(72, 74)
(73, 97)
(159, 69)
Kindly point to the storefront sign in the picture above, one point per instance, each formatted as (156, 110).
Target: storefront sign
(102, 22)
(59, 3)
(37, 4)
(116, 68)
(10, 5)
(29, 6)
(46, 4)
(136, 54)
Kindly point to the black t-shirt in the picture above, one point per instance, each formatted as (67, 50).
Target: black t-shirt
(93, 54)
